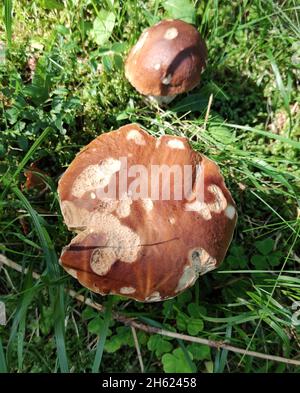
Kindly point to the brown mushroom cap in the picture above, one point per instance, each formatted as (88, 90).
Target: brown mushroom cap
(168, 59)
(149, 249)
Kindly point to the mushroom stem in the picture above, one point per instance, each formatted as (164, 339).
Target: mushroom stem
(160, 100)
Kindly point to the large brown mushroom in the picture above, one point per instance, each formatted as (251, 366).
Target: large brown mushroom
(167, 60)
(154, 237)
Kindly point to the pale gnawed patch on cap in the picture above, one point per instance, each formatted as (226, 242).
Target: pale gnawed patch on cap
(121, 243)
(187, 279)
(205, 209)
(124, 206)
(171, 33)
(200, 263)
(127, 290)
(175, 144)
(154, 297)
(230, 212)
(199, 207)
(147, 204)
(75, 217)
(136, 136)
(220, 201)
(95, 176)
(167, 79)
(141, 42)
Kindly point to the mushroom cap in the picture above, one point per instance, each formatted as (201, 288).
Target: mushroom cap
(168, 59)
(145, 246)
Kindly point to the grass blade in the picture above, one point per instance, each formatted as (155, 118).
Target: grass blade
(267, 134)
(187, 356)
(56, 296)
(221, 356)
(103, 335)
(3, 366)
(28, 292)
(8, 5)
(25, 159)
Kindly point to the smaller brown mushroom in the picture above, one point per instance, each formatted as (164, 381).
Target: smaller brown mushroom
(167, 60)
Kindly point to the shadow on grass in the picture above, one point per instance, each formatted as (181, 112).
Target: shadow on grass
(237, 98)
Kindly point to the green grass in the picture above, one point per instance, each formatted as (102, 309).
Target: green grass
(77, 91)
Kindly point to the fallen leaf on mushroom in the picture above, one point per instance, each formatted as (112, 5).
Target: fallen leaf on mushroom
(151, 215)
(167, 60)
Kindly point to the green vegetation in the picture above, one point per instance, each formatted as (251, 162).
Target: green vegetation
(61, 84)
